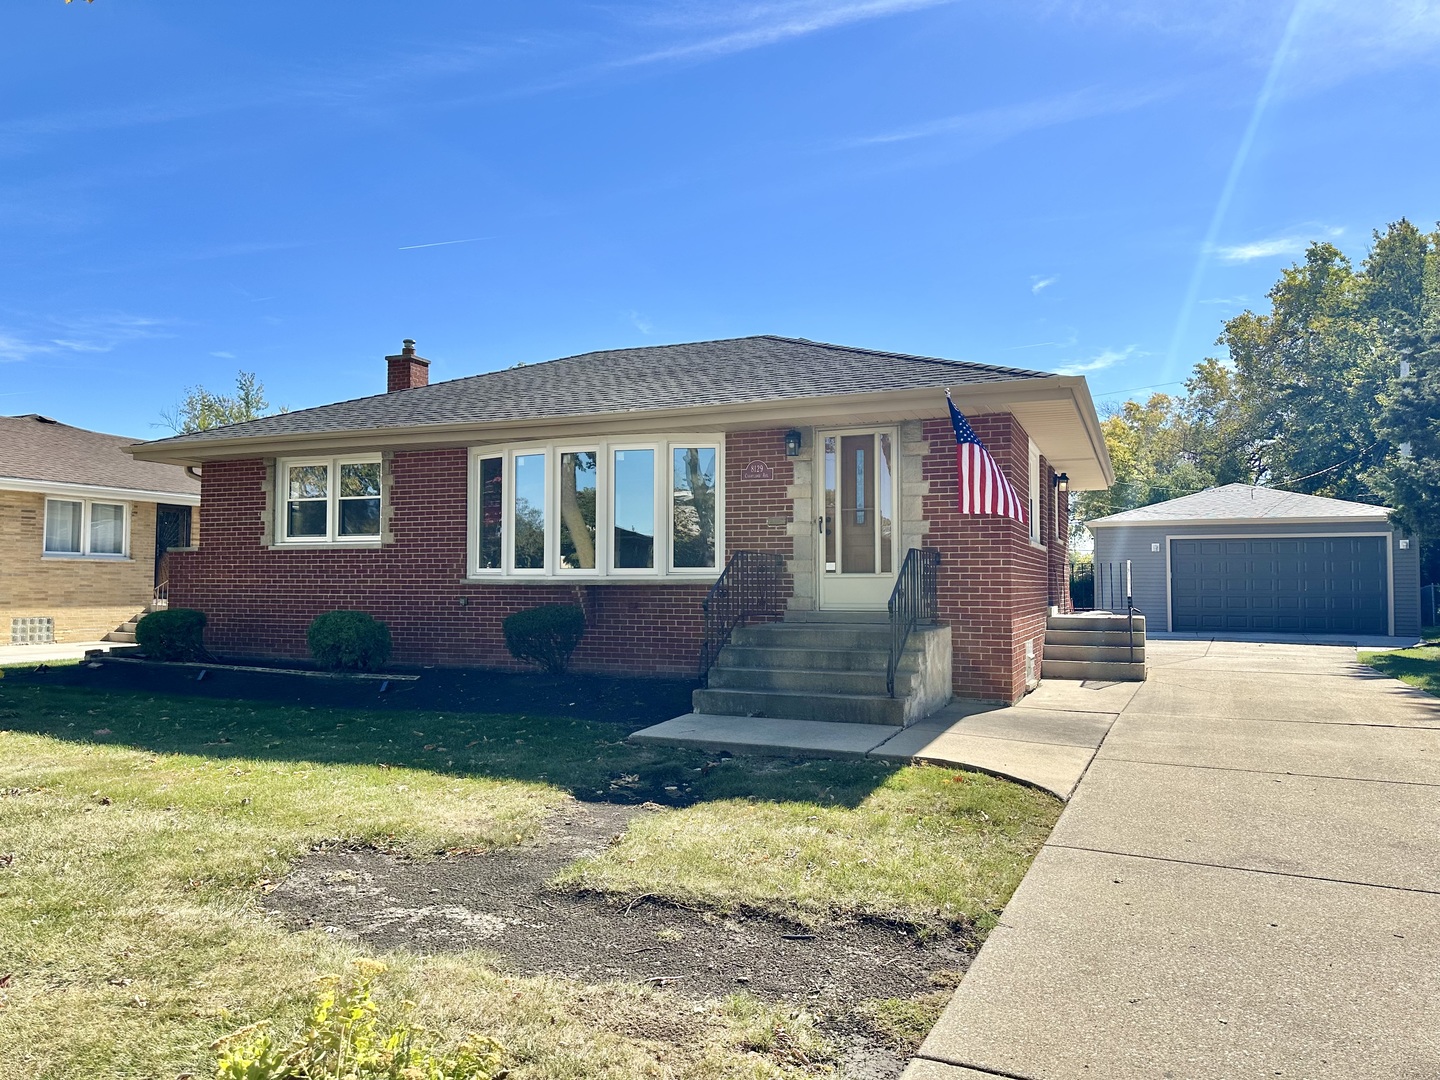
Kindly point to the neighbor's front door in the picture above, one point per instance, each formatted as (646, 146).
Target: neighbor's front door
(857, 492)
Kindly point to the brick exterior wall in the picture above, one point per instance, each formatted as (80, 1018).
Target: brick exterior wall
(87, 598)
(994, 584)
(260, 599)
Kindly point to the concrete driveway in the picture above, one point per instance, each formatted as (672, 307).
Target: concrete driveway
(1245, 884)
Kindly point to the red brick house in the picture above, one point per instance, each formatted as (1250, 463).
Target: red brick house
(624, 481)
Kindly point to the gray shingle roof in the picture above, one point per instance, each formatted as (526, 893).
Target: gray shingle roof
(1242, 502)
(39, 449)
(732, 371)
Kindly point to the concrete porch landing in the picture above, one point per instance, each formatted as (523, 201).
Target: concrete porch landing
(1046, 741)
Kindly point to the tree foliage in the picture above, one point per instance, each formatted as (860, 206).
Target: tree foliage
(1310, 396)
(201, 409)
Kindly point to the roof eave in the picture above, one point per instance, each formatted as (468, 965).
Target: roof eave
(1354, 519)
(917, 403)
(100, 491)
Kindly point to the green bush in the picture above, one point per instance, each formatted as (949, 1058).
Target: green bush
(344, 1040)
(348, 639)
(172, 634)
(545, 635)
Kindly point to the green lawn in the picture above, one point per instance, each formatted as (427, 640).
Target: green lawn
(1419, 666)
(136, 832)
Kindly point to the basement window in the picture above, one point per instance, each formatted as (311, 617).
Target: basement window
(329, 500)
(86, 529)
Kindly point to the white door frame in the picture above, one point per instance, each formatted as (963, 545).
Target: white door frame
(857, 592)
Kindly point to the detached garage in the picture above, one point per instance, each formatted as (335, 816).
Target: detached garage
(1241, 559)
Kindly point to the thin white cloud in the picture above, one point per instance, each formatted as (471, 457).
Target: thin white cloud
(1104, 359)
(996, 124)
(83, 334)
(1226, 301)
(1039, 284)
(442, 243)
(222, 355)
(758, 25)
(1291, 244)
(640, 322)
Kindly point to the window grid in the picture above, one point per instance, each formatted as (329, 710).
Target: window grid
(350, 494)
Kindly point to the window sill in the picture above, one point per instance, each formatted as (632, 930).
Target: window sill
(53, 556)
(327, 545)
(706, 578)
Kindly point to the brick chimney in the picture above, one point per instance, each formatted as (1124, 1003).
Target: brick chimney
(406, 371)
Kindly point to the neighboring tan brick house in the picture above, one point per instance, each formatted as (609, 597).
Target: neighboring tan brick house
(79, 557)
(623, 481)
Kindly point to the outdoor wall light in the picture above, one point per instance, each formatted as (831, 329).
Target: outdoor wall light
(792, 443)
(1404, 543)
(1061, 481)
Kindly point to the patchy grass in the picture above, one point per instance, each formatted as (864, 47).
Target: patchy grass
(1419, 666)
(136, 831)
(925, 846)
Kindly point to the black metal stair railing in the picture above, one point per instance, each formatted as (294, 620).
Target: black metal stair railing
(748, 587)
(913, 601)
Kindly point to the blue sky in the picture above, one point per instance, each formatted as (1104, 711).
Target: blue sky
(187, 190)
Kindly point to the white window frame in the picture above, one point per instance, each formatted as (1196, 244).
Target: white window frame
(663, 447)
(1037, 537)
(85, 518)
(332, 537)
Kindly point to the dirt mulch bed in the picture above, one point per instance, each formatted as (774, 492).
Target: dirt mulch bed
(631, 701)
(499, 903)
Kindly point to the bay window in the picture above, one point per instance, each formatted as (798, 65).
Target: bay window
(329, 500)
(86, 528)
(644, 508)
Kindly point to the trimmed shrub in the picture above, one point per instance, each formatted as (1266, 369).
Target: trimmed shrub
(348, 639)
(545, 635)
(172, 634)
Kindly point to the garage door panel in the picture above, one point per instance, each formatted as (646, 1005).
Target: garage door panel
(1335, 584)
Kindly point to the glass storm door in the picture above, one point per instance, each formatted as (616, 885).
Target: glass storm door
(856, 518)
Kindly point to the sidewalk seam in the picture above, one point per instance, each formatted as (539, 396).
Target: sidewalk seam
(1277, 772)
(1245, 869)
(973, 1068)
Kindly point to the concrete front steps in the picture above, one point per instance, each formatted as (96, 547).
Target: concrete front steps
(125, 632)
(828, 669)
(1095, 646)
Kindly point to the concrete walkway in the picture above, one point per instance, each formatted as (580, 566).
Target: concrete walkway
(13, 655)
(1246, 884)
(1046, 741)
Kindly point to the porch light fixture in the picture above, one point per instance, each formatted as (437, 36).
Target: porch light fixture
(1061, 481)
(792, 443)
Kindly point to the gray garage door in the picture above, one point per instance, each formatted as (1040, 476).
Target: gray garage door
(1318, 584)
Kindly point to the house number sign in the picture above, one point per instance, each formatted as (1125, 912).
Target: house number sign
(758, 470)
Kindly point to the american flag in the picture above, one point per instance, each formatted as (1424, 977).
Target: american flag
(983, 487)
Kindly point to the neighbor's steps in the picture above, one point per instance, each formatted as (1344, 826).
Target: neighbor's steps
(125, 632)
(1108, 647)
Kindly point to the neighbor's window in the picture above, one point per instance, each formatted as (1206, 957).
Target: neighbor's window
(330, 500)
(597, 511)
(84, 527)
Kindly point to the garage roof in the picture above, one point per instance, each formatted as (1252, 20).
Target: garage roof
(1244, 502)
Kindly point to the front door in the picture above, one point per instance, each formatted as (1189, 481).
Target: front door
(856, 496)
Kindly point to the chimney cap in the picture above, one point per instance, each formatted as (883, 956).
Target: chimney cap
(407, 347)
